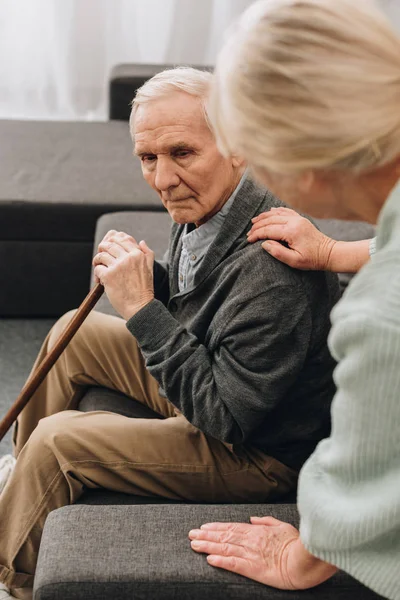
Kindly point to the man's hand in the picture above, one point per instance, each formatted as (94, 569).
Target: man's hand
(125, 269)
(308, 248)
(267, 551)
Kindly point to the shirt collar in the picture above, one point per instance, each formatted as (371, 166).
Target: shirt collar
(198, 240)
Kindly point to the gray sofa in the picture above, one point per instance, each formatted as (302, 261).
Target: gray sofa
(56, 179)
(117, 546)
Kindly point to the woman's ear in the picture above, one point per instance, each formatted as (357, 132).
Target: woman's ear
(238, 161)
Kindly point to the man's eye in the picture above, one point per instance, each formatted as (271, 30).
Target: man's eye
(182, 153)
(148, 158)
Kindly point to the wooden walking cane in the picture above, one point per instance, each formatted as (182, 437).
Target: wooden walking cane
(40, 373)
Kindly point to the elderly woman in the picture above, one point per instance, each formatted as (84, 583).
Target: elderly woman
(309, 92)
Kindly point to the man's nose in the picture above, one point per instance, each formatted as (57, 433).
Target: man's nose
(166, 174)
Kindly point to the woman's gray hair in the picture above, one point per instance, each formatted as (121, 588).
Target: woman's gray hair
(194, 82)
(309, 84)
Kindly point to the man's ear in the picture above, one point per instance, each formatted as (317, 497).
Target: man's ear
(238, 161)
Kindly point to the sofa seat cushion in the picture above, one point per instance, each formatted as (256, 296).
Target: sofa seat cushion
(143, 552)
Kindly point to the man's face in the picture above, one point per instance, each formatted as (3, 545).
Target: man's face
(180, 159)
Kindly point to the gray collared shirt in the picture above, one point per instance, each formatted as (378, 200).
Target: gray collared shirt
(196, 243)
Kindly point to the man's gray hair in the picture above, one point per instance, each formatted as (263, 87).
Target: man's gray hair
(181, 79)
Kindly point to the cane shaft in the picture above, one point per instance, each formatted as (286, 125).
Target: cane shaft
(40, 373)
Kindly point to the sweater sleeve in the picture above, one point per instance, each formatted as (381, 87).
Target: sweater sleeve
(349, 489)
(161, 281)
(227, 392)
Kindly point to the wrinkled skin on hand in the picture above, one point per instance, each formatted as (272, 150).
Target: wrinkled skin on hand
(125, 269)
(308, 248)
(266, 550)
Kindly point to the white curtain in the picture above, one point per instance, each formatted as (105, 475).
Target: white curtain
(56, 55)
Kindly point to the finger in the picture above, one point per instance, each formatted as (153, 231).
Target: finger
(263, 215)
(109, 233)
(265, 521)
(269, 218)
(126, 242)
(270, 232)
(103, 258)
(284, 210)
(119, 237)
(113, 234)
(106, 237)
(286, 255)
(275, 210)
(204, 547)
(241, 527)
(242, 566)
(279, 223)
(112, 248)
(232, 536)
(100, 272)
(146, 250)
(150, 257)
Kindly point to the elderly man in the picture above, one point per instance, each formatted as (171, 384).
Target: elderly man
(225, 343)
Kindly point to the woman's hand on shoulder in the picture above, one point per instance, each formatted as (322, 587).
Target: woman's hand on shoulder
(307, 247)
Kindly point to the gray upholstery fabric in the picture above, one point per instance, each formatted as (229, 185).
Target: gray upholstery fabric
(346, 231)
(56, 179)
(143, 552)
(97, 398)
(70, 163)
(154, 228)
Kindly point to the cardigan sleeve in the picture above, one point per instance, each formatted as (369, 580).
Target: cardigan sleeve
(349, 490)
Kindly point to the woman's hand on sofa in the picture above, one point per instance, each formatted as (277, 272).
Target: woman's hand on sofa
(125, 269)
(267, 550)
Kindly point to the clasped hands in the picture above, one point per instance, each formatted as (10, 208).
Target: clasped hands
(125, 269)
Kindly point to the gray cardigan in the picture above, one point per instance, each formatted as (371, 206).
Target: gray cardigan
(349, 493)
(243, 353)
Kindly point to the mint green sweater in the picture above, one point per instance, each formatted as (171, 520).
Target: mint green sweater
(349, 490)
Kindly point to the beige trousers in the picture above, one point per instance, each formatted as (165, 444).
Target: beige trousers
(61, 451)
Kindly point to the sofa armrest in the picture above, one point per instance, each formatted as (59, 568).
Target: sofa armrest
(153, 227)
